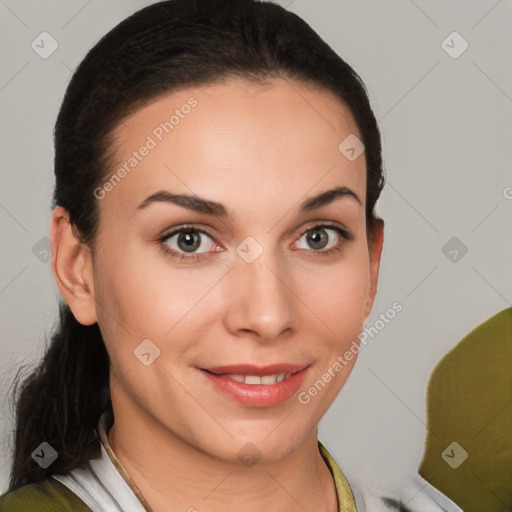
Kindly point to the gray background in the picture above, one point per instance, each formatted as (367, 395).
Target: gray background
(446, 129)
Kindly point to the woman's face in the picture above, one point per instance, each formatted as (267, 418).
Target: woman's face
(211, 253)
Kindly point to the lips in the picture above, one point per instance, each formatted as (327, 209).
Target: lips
(257, 386)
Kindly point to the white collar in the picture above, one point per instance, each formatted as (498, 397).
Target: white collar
(102, 483)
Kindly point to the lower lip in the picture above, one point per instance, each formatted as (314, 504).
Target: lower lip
(258, 395)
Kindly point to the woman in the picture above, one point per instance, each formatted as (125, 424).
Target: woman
(215, 242)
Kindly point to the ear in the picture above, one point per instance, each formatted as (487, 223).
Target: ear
(72, 268)
(375, 250)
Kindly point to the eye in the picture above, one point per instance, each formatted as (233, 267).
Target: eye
(188, 241)
(324, 238)
(191, 243)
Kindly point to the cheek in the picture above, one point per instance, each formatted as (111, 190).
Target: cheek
(144, 296)
(128, 294)
(338, 293)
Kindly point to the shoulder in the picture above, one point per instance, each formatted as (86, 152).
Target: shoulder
(48, 495)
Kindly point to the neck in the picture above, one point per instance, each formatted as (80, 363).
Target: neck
(178, 476)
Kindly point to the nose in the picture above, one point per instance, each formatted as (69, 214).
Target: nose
(262, 301)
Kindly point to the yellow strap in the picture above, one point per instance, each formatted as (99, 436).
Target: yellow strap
(345, 497)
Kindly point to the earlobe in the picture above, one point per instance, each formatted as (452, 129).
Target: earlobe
(72, 268)
(375, 252)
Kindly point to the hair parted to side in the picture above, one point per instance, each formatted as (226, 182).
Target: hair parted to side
(160, 49)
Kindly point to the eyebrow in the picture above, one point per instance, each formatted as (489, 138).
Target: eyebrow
(201, 205)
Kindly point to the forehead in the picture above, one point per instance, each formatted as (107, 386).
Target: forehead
(238, 142)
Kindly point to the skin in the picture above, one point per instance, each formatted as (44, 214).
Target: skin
(260, 150)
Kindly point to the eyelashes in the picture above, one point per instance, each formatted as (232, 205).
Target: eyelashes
(191, 238)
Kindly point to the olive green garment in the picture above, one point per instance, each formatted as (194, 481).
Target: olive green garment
(46, 496)
(470, 403)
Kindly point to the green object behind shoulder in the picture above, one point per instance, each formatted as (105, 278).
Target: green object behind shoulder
(470, 403)
(46, 496)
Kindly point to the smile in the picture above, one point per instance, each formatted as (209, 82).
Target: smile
(274, 385)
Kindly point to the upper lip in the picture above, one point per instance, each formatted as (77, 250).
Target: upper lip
(260, 371)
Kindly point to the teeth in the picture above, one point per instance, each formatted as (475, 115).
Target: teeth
(238, 378)
(255, 379)
(252, 379)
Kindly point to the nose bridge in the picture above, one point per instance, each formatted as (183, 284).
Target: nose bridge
(263, 302)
